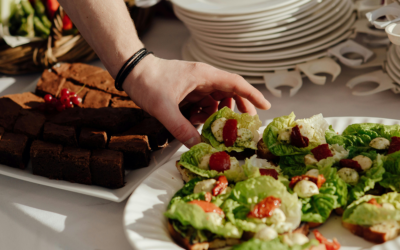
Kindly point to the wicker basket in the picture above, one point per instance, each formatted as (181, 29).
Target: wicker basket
(37, 56)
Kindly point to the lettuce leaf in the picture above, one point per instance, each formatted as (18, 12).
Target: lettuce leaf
(362, 213)
(185, 191)
(275, 244)
(332, 194)
(360, 135)
(253, 164)
(368, 179)
(391, 178)
(245, 120)
(191, 159)
(193, 215)
(254, 190)
(271, 133)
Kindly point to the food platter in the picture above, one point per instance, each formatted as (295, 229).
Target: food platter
(146, 227)
(132, 178)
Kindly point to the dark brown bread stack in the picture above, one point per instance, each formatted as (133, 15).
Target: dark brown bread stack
(90, 144)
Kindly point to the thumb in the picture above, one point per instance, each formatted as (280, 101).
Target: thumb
(179, 126)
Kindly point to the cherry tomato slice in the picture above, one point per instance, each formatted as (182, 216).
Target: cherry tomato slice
(271, 172)
(208, 207)
(220, 161)
(319, 181)
(349, 163)
(296, 139)
(208, 197)
(220, 186)
(374, 202)
(322, 152)
(334, 245)
(229, 132)
(394, 145)
(265, 208)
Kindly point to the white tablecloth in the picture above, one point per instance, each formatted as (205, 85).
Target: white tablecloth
(38, 217)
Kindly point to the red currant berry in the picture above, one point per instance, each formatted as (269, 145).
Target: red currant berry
(72, 94)
(60, 107)
(69, 105)
(54, 102)
(76, 100)
(64, 92)
(64, 99)
(48, 98)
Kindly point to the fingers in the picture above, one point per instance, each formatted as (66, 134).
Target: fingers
(243, 104)
(227, 102)
(203, 109)
(177, 124)
(228, 82)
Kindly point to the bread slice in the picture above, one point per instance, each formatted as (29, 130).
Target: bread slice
(339, 211)
(185, 173)
(378, 233)
(184, 242)
(314, 224)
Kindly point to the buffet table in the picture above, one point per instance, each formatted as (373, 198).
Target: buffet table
(38, 217)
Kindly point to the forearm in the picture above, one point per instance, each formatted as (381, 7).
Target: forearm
(107, 27)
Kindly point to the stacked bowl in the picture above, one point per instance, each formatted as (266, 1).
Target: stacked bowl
(255, 37)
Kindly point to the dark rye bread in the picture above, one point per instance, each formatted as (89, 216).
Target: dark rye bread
(76, 88)
(157, 134)
(59, 134)
(30, 124)
(14, 150)
(92, 138)
(9, 112)
(90, 76)
(111, 120)
(96, 99)
(27, 100)
(75, 164)
(107, 168)
(2, 131)
(45, 158)
(135, 148)
(49, 83)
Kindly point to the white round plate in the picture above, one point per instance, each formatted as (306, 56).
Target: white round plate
(146, 227)
(187, 56)
(292, 52)
(274, 20)
(230, 7)
(322, 17)
(200, 56)
(293, 40)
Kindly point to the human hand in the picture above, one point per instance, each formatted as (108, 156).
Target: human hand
(158, 86)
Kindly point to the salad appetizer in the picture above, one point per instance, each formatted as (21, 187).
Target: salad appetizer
(234, 133)
(294, 177)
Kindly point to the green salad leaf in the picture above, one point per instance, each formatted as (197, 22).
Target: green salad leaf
(368, 179)
(314, 128)
(391, 177)
(191, 160)
(254, 190)
(245, 120)
(193, 215)
(362, 213)
(332, 194)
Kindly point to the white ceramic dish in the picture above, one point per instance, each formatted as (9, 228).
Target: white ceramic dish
(146, 227)
(323, 17)
(284, 42)
(132, 178)
(272, 21)
(255, 65)
(279, 37)
(304, 49)
(231, 7)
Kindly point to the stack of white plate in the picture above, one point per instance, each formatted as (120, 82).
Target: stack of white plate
(254, 37)
(393, 63)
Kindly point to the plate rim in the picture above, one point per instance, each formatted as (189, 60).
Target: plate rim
(330, 120)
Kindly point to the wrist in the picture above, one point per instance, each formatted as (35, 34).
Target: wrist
(137, 76)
